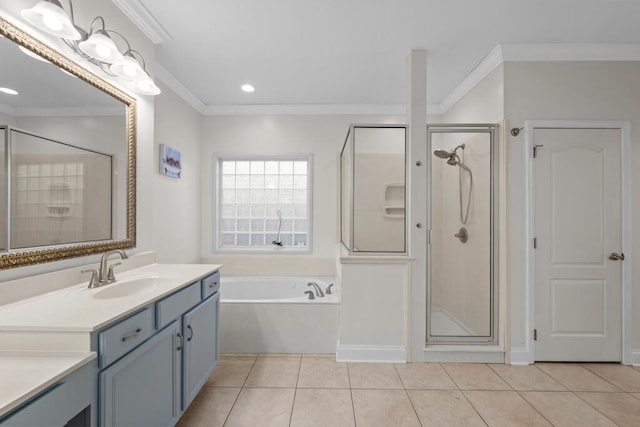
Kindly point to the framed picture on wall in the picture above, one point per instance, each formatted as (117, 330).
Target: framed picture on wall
(170, 161)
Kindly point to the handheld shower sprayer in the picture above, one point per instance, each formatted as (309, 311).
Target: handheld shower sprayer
(454, 160)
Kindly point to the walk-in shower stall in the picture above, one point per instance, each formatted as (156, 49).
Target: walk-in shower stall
(461, 297)
(372, 189)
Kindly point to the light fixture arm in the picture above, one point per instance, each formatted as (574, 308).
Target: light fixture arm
(131, 53)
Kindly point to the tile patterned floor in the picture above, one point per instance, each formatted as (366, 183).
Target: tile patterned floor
(308, 390)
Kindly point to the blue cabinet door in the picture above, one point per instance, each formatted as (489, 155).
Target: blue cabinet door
(143, 388)
(201, 350)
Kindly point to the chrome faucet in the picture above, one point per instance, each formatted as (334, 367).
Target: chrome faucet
(105, 274)
(319, 292)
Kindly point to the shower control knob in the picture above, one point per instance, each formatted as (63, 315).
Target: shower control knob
(419, 225)
(418, 163)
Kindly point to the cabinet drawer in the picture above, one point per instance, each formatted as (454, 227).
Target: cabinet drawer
(119, 339)
(210, 285)
(177, 304)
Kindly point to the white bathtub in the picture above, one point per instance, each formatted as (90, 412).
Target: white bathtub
(274, 315)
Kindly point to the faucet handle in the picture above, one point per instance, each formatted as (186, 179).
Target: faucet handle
(110, 276)
(93, 281)
(328, 290)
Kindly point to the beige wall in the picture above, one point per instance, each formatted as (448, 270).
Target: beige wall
(322, 136)
(566, 91)
(176, 202)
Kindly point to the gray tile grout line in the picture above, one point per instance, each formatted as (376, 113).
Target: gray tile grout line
(295, 391)
(520, 394)
(534, 408)
(588, 370)
(463, 393)
(406, 392)
(590, 405)
(240, 391)
(353, 405)
(603, 378)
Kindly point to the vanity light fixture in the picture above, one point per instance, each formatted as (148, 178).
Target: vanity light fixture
(247, 88)
(96, 45)
(8, 91)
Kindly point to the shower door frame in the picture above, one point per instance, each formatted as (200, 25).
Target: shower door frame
(492, 130)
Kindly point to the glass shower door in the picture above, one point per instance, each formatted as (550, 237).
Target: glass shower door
(461, 289)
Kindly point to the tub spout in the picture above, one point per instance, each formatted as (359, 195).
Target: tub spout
(319, 292)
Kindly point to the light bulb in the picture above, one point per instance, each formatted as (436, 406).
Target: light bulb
(247, 88)
(52, 22)
(103, 51)
(129, 70)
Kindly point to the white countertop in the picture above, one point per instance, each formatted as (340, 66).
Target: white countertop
(24, 375)
(76, 309)
(35, 348)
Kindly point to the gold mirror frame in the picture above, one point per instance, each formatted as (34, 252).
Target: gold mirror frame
(30, 257)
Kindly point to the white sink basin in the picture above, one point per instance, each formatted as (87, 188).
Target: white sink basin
(130, 287)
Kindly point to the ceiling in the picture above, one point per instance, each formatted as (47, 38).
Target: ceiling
(354, 52)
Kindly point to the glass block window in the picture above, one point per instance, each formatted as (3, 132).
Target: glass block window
(264, 202)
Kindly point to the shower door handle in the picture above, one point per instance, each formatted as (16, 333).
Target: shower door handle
(616, 257)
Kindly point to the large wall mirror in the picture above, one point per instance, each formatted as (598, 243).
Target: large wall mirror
(67, 156)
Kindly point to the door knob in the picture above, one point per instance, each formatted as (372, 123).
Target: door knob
(616, 257)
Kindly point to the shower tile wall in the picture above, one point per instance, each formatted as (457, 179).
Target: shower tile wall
(373, 231)
(460, 273)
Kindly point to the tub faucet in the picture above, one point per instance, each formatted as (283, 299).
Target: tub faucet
(319, 292)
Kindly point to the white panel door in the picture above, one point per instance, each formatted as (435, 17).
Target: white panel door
(577, 225)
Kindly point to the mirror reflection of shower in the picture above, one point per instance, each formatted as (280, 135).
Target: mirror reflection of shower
(453, 159)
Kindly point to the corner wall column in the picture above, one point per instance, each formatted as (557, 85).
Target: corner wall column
(418, 195)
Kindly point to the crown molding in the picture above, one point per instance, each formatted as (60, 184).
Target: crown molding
(500, 54)
(140, 16)
(178, 88)
(305, 109)
(482, 70)
(570, 52)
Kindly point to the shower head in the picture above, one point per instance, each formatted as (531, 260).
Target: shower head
(442, 154)
(449, 155)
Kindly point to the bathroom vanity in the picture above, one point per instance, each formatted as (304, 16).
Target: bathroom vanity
(135, 352)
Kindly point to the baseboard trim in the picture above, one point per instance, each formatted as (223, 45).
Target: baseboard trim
(379, 354)
(635, 357)
(519, 356)
(464, 353)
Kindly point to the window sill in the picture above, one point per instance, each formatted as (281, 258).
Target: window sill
(270, 250)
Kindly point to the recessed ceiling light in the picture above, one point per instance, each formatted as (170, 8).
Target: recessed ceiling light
(8, 91)
(247, 88)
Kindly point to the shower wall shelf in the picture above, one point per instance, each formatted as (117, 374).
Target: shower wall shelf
(393, 200)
